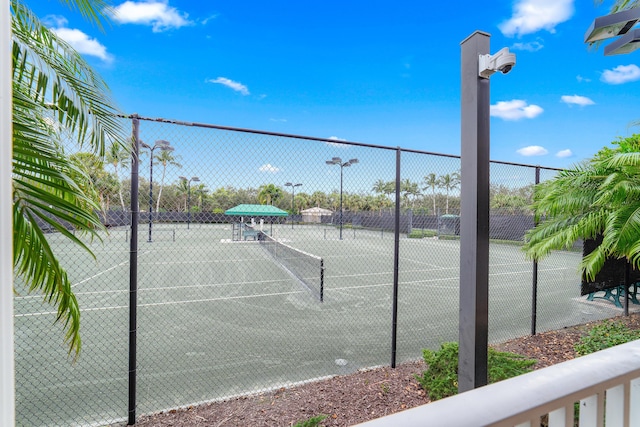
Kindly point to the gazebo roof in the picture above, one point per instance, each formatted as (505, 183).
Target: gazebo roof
(317, 210)
(256, 210)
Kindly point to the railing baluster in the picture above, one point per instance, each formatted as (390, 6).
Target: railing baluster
(634, 402)
(615, 406)
(562, 417)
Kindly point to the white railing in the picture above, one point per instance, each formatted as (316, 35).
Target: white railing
(606, 384)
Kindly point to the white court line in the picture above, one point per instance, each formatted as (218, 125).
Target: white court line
(164, 303)
(255, 282)
(220, 299)
(49, 313)
(212, 261)
(286, 293)
(437, 279)
(105, 271)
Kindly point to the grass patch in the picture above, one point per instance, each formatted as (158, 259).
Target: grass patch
(607, 334)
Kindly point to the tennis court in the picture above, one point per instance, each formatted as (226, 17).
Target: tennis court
(218, 318)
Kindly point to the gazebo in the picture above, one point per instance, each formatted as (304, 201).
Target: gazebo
(315, 214)
(240, 231)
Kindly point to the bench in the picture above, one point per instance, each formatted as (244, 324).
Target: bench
(615, 294)
(246, 232)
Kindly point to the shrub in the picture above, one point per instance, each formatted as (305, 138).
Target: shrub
(311, 422)
(441, 377)
(607, 334)
(420, 233)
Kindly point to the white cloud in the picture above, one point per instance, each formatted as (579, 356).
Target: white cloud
(238, 87)
(278, 120)
(269, 168)
(78, 40)
(338, 142)
(529, 47)
(83, 43)
(581, 79)
(55, 21)
(533, 150)
(564, 153)
(577, 100)
(205, 21)
(530, 16)
(515, 110)
(158, 14)
(621, 74)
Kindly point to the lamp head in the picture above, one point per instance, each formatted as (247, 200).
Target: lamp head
(625, 44)
(195, 179)
(608, 26)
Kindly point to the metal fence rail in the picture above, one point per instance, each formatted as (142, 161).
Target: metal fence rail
(178, 308)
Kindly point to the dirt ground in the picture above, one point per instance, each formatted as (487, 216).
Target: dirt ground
(358, 397)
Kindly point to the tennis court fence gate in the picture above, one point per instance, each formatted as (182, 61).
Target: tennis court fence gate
(177, 311)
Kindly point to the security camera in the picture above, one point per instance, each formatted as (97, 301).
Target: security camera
(502, 61)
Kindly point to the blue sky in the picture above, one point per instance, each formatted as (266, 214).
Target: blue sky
(384, 73)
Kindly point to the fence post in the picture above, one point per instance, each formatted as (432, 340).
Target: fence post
(534, 293)
(133, 267)
(396, 256)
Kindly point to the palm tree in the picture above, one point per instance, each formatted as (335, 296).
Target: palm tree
(409, 189)
(118, 156)
(449, 182)
(165, 158)
(54, 92)
(597, 198)
(432, 181)
(199, 193)
(269, 194)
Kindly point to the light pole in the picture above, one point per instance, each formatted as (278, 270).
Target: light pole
(164, 146)
(477, 66)
(194, 179)
(293, 196)
(338, 161)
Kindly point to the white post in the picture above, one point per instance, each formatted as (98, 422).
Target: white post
(7, 373)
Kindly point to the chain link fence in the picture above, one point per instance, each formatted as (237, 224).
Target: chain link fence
(201, 295)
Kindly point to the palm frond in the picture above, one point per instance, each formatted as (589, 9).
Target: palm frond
(76, 94)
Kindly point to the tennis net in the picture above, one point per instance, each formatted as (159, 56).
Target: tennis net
(307, 268)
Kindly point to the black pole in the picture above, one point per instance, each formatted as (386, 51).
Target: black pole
(188, 203)
(396, 257)
(534, 293)
(293, 206)
(133, 269)
(341, 167)
(473, 329)
(150, 191)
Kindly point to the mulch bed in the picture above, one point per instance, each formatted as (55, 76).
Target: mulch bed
(358, 397)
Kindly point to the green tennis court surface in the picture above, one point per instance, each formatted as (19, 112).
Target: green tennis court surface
(219, 318)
